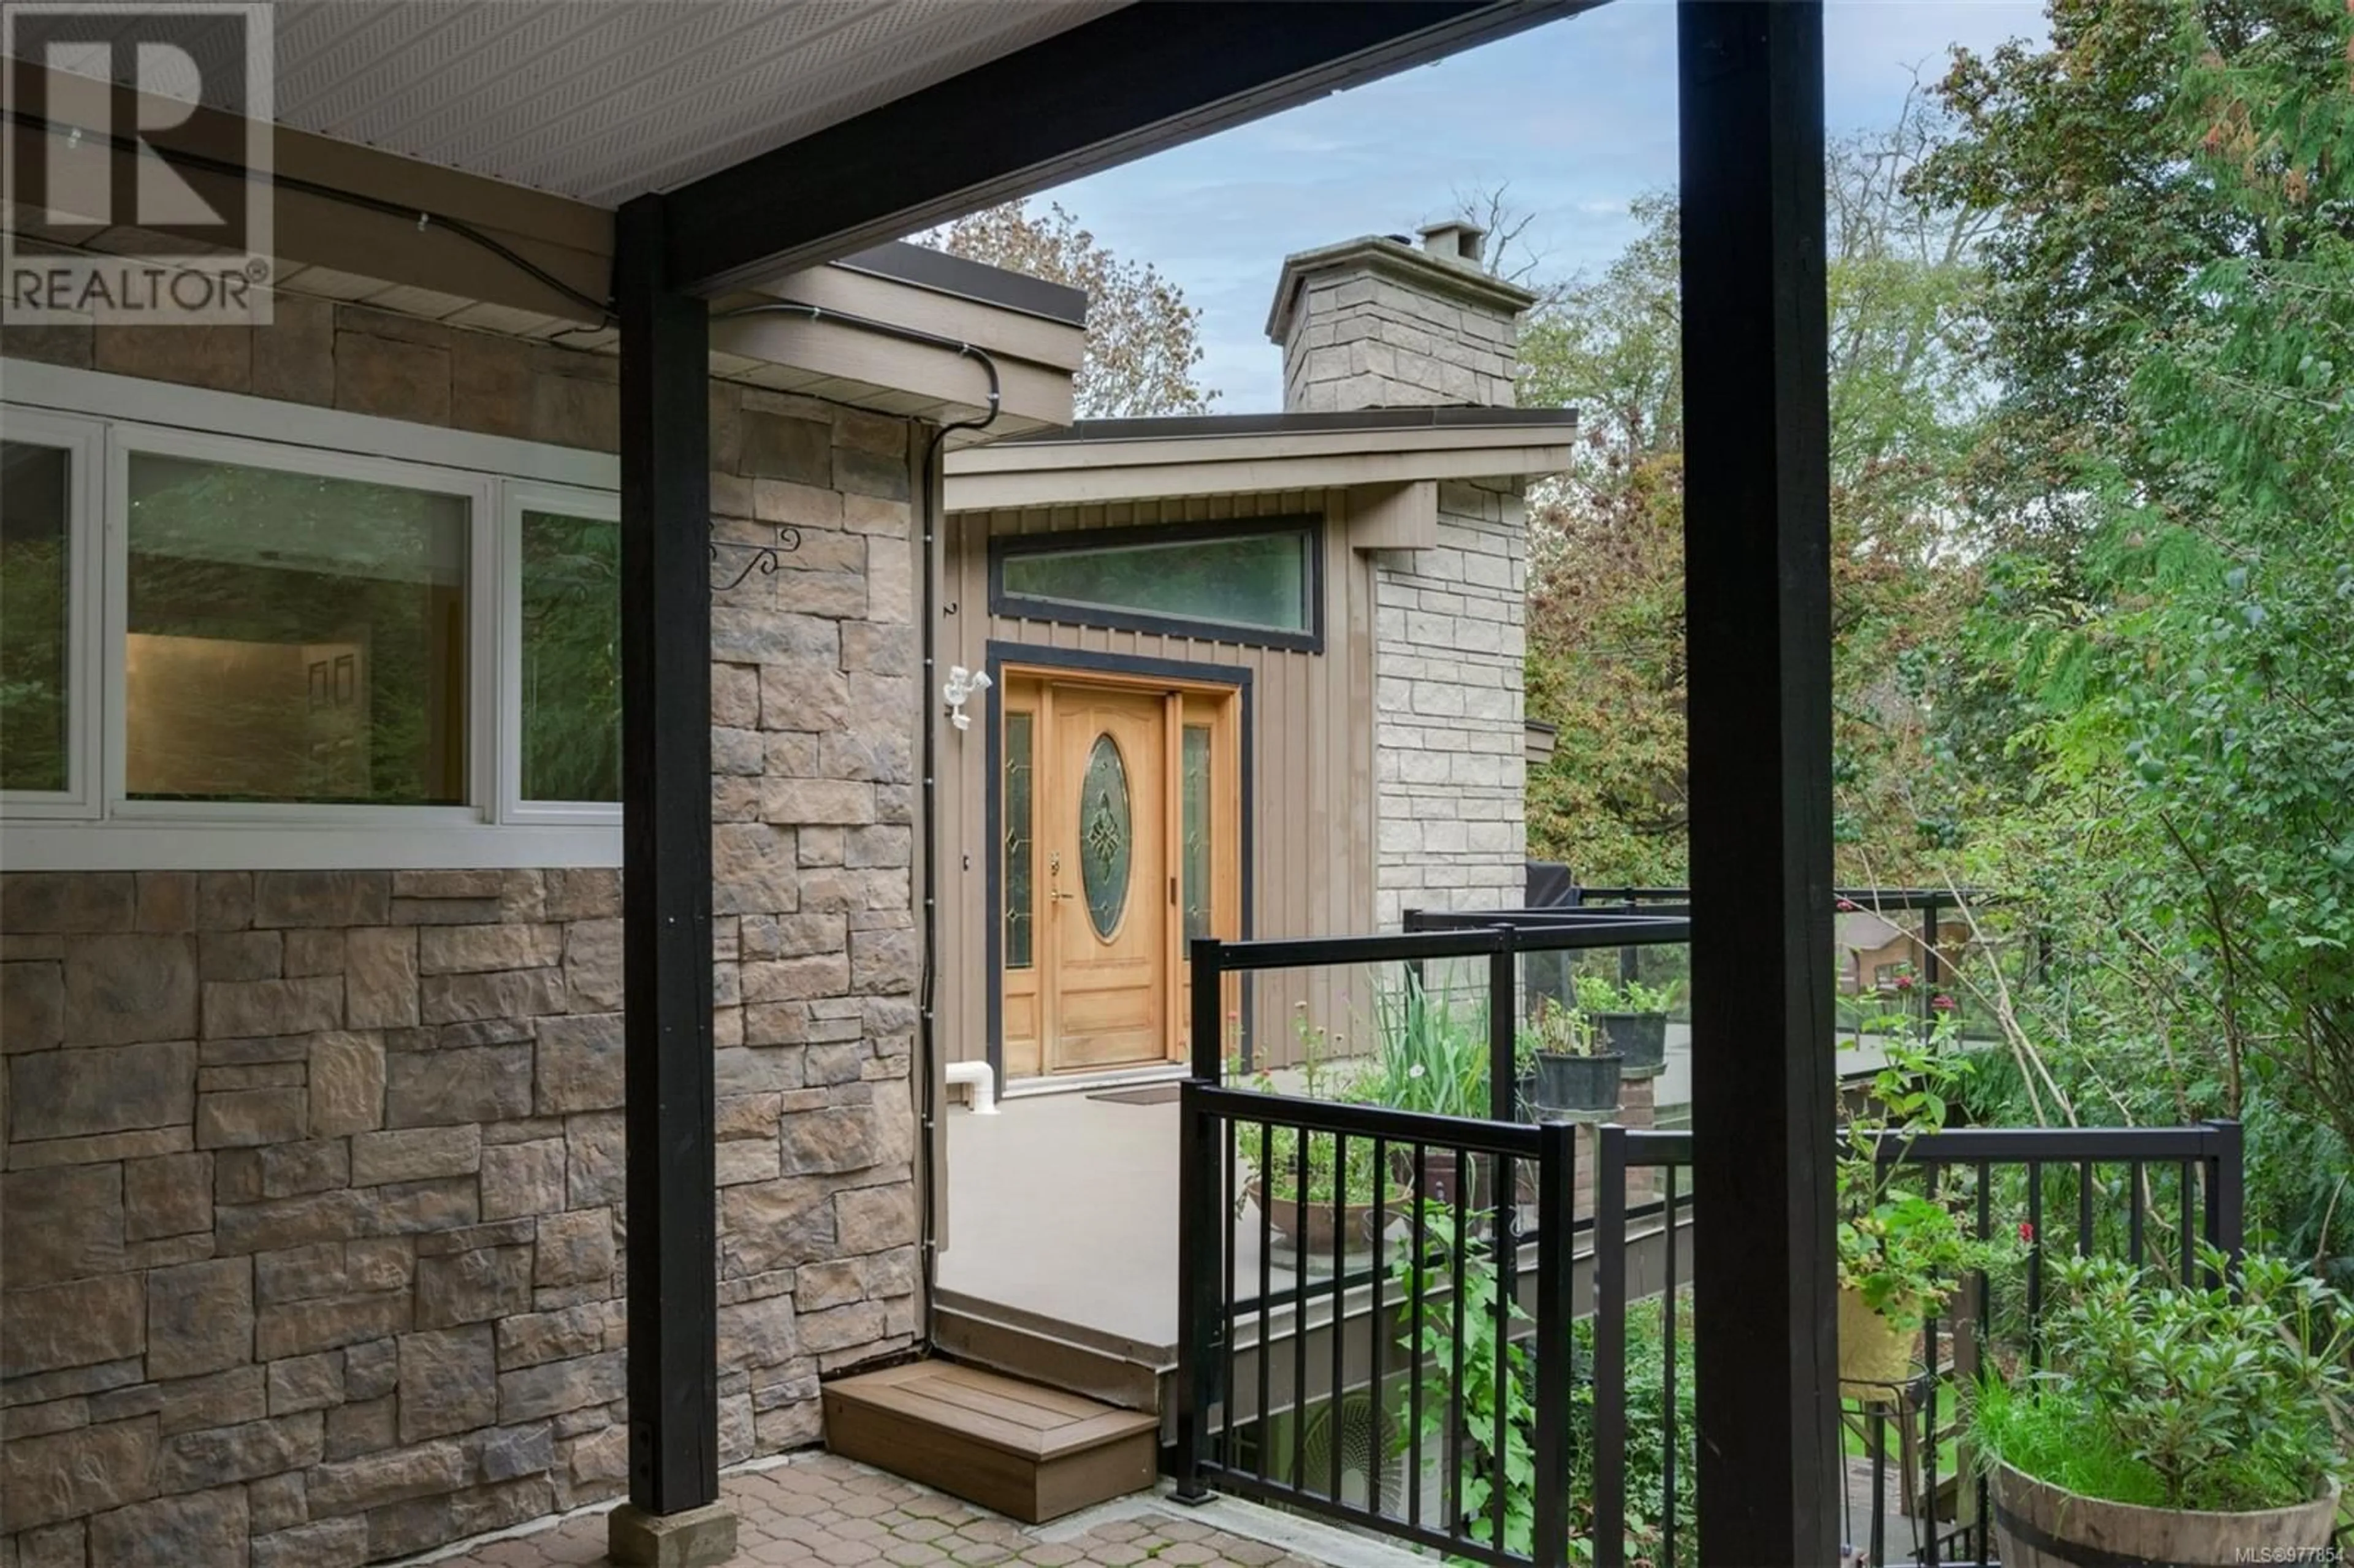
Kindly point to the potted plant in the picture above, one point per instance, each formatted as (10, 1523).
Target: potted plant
(1633, 1018)
(1334, 1204)
(1904, 1240)
(2172, 1423)
(1576, 1076)
(1432, 1058)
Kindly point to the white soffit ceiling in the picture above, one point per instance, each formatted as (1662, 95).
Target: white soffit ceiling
(603, 100)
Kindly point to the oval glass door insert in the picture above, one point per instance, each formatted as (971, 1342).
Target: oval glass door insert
(1107, 836)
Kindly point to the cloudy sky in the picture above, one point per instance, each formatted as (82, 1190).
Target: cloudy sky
(1576, 116)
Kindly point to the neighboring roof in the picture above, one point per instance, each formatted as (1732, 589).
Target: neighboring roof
(1202, 427)
(1384, 253)
(976, 280)
(1235, 454)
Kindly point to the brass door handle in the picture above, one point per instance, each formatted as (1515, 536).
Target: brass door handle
(1061, 894)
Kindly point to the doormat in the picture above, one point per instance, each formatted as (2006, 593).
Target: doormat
(1157, 1094)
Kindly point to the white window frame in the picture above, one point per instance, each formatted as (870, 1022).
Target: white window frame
(518, 497)
(93, 826)
(84, 443)
(480, 496)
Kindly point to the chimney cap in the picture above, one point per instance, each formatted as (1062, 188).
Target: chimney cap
(1454, 240)
(1450, 279)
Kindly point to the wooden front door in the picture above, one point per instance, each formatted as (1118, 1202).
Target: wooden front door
(1121, 806)
(1107, 889)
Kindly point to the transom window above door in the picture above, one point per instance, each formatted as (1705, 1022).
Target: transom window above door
(1258, 582)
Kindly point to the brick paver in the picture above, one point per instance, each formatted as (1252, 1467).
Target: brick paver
(824, 1510)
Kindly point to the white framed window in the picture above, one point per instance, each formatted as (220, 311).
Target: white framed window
(237, 635)
(560, 655)
(50, 605)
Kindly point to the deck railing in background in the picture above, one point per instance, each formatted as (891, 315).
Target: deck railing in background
(1387, 1274)
(2147, 1194)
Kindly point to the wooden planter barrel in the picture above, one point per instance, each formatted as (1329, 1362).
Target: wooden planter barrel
(2039, 1525)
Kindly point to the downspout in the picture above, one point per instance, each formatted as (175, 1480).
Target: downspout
(934, 496)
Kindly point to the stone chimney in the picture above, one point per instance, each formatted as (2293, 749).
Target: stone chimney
(1377, 323)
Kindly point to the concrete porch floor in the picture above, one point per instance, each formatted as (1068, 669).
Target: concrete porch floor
(1061, 1209)
(818, 1508)
(1064, 1208)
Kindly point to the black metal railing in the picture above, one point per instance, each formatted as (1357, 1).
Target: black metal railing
(2150, 1195)
(1401, 1321)
(1374, 1300)
(1342, 1325)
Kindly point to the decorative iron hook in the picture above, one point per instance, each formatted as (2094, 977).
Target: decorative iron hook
(764, 556)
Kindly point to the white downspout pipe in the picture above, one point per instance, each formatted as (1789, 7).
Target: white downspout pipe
(976, 1078)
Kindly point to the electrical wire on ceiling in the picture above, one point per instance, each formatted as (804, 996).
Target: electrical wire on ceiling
(602, 310)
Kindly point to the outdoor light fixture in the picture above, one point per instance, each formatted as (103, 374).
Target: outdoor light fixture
(962, 686)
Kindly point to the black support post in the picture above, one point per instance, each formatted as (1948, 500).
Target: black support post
(1757, 604)
(1557, 1349)
(666, 902)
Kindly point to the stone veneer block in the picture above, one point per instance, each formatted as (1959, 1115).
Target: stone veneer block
(71, 1093)
(83, 1323)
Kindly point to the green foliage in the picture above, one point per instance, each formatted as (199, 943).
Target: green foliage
(1500, 1372)
(1562, 1031)
(33, 697)
(1433, 1053)
(1600, 993)
(1496, 1372)
(2152, 723)
(1605, 597)
(1275, 1154)
(1648, 1504)
(1904, 1239)
(2227, 1398)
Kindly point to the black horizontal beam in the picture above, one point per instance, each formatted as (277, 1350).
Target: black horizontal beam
(1147, 76)
(1518, 1140)
(1314, 953)
(2050, 1145)
(1867, 899)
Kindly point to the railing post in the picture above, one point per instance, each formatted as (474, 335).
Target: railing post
(2227, 1188)
(1209, 979)
(1556, 1346)
(1610, 1344)
(1199, 1208)
(1503, 1026)
(1503, 1037)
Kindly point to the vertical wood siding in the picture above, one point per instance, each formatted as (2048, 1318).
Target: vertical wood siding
(1311, 750)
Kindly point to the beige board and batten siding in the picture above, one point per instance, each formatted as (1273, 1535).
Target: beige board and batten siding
(1312, 751)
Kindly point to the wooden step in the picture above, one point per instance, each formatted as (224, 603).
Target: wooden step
(1022, 1450)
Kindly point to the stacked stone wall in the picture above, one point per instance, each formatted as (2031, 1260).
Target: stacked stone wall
(1448, 735)
(1362, 339)
(311, 1225)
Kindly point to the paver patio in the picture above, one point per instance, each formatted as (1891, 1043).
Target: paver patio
(820, 1508)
